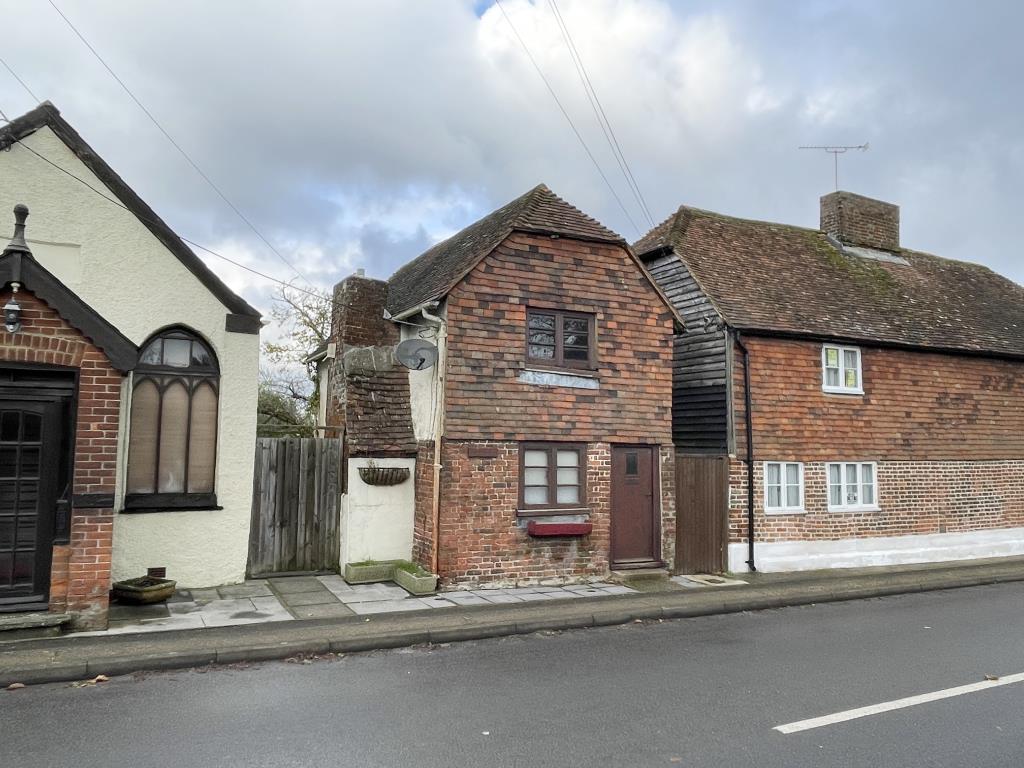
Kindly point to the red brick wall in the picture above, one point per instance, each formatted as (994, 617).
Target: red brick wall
(423, 515)
(915, 406)
(80, 575)
(947, 433)
(487, 347)
(858, 220)
(482, 540)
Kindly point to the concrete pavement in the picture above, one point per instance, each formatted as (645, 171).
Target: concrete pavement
(74, 658)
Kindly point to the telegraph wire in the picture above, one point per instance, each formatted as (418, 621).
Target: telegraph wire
(599, 113)
(177, 146)
(565, 114)
(192, 243)
(14, 74)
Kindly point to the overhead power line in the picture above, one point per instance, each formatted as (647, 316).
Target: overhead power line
(14, 74)
(599, 113)
(565, 114)
(192, 243)
(178, 147)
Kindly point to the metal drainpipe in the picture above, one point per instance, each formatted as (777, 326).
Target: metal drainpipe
(442, 350)
(750, 449)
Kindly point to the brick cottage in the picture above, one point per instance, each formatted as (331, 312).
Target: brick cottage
(539, 445)
(883, 389)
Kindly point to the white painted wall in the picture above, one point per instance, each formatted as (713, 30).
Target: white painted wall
(377, 520)
(425, 395)
(117, 266)
(879, 550)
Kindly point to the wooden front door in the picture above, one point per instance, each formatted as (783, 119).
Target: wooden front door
(635, 531)
(30, 444)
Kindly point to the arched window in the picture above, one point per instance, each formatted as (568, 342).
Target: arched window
(172, 445)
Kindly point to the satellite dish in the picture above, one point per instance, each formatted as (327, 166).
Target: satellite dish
(416, 354)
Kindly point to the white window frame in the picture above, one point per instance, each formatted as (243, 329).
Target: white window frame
(784, 509)
(842, 389)
(859, 506)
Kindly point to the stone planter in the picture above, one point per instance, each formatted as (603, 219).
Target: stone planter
(369, 572)
(384, 475)
(418, 583)
(143, 590)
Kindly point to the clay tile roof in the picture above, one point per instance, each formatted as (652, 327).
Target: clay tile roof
(378, 415)
(434, 273)
(786, 279)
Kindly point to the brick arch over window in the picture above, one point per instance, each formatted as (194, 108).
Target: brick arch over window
(172, 444)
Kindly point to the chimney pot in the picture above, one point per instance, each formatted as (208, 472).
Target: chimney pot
(18, 243)
(861, 221)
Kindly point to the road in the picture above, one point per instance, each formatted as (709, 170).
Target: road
(692, 693)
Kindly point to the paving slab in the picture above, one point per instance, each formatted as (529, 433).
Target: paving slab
(387, 606)
(323, 597)
(500, 599)
(435, 601)
(292, 584)
(120, 612)
(205, 595)
(335, 583)
(333, 610)
(249, 589)
(372, 593)
(465, 599)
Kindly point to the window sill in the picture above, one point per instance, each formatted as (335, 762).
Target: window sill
(841, 391)
(781, 512)
(589, 371)
(552, 512)
(574, 379)
(842, 510)
(170, 502)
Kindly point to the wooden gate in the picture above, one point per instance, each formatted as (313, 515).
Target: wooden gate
(702, 501)
(295, 506)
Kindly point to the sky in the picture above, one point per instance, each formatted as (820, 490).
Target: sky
(356, 134)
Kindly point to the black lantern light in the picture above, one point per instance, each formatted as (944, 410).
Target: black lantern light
(18, 245)
(12, 311)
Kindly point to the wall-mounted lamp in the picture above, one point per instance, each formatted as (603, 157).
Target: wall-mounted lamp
(12, 311)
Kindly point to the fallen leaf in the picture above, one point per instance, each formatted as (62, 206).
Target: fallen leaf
(15, 686)
(991, 677)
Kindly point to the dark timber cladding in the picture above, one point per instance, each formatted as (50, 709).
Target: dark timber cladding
(699, 374)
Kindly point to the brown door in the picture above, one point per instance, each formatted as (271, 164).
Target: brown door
(702, 504)
(635, 532)
(30, 445)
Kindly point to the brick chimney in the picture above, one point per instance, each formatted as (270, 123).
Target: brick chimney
(861, 221)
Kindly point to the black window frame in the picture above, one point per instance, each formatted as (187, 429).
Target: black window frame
(558, 361)
(552, 508)
(164, 376)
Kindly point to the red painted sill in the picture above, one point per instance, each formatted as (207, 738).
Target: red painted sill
(535, 528)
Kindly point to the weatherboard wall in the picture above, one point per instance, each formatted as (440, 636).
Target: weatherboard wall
(117, 266)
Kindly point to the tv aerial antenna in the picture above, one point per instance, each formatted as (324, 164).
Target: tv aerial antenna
(836, 150)
(416, 354)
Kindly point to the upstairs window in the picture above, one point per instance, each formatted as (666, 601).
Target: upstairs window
(560, 339)
(172, 445)
(783, 487)
(841, 370)
(552, 477)
(852, 487)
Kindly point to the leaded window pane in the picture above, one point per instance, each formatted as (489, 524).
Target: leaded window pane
(177, 352)
(568, 458)
(568, 494)
(546, 353)
(535, 495)
(542, 322)
(536, 459)
(142, 440)
(202, 448)
(173, 435)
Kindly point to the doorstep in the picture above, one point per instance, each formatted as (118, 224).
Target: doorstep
(28, 626)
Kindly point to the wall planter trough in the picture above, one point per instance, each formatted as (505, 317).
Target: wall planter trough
(370, 571)
(373, 475)
(143, 590)
(414, 579)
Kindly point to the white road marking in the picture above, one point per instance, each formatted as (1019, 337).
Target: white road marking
(889, 706)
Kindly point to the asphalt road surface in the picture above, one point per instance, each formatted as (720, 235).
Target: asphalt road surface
(699, 692)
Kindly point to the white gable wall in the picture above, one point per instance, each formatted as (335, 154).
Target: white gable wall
(115, 264)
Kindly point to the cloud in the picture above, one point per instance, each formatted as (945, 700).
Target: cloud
(358, 134)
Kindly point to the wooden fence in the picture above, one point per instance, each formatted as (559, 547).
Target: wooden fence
(702, 504)
(295, 506)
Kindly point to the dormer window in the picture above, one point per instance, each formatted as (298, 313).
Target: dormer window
(841, 370)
